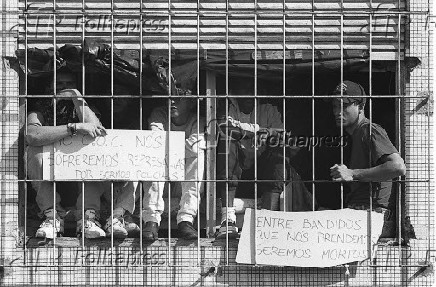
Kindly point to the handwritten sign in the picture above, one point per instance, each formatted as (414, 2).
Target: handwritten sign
(308, 239)
(120, 155)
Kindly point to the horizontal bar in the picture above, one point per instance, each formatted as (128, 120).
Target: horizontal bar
(203, 180)
(194, 265)
(247, 13)
(39, 42)
(321, 97)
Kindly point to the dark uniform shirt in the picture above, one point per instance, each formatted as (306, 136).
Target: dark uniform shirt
(367, 149)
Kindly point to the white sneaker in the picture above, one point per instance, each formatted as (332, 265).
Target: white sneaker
(118, 227)
(92, 226)
(51, 227)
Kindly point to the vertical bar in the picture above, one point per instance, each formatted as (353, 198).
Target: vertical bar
(398, 136)
(25, 179)
(226, 138)
(83, 44)
(255, 121)
(82, 185)
(197, 179)
(54, 119)
(112, 124)
(26, 5)
(139, 187)
(370, 134)
(342, 101)
(25, 126)
(432, 80)
(313, 110)
(169, 125)
(284, 112)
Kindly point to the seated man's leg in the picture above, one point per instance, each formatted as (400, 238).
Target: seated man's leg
(92, 198)
(297, 197)
(52, 224)
(152, 209)
(272, 169)
(191, 191)
(125, 195)
(228, 168)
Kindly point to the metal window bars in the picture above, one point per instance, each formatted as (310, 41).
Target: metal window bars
(247, 26)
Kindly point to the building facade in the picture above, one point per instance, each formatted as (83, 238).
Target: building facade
(296, 52)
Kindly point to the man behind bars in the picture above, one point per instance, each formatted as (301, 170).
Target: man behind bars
(239, 127)
(73, 117)
(373, 156)
(120, 223)
(183, 118)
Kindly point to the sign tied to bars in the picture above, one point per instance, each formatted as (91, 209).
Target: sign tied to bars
(308, 239)
(134, 155)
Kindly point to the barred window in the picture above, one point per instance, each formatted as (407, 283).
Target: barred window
(148, 129)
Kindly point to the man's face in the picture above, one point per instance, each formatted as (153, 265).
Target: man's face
(63, 81)
(349, 114)
(246, 105)
(242, 90)
(180, 106)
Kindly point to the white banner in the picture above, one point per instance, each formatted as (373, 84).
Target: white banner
(308, 239)
(132, 155)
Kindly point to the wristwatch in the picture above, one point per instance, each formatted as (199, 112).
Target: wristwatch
(72, 128)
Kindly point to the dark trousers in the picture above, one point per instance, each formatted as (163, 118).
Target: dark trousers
(270, 167)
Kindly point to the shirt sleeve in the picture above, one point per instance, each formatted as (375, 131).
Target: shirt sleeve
(196, 137)
(35, 119)
(248, 127)
(234, 122)
(95, 111)
(158, 119)
(380, 143)
(274, 118)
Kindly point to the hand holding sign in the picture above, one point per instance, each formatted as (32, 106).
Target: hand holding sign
(90, 129)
